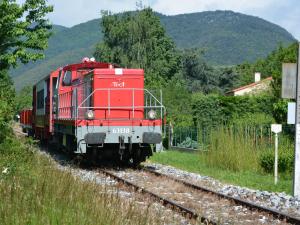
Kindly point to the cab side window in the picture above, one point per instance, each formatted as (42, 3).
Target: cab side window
(67, 79)
(40, 99)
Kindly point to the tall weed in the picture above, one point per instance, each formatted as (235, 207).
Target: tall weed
(231, 149)
(34, 191)
(247, 148)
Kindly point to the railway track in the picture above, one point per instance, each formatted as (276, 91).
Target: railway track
(190, 213)
(196, 202)
(277, 214)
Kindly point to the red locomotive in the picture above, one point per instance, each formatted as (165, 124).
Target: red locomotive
(99, 110)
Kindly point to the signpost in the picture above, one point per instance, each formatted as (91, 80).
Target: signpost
(297, 133)
(291, 90)
(276, 128)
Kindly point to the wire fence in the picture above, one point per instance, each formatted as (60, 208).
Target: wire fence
(199, 138)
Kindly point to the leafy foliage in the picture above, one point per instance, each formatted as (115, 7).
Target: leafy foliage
(199, 75)
(177, 100)
(24, 99)
(18, 36)
(211, 110)
(6, 104)
(24, 32)
(270, 66)
(202, 77)
(285, 157)
(138, 40)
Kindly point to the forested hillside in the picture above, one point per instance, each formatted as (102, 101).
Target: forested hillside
(227, 38)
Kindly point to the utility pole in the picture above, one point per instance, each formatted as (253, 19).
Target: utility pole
(296, 187)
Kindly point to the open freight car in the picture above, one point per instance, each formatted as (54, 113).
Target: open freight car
(26, 121)
(98, 110)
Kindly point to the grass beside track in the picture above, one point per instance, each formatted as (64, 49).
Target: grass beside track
(195, 162)
(34, 191)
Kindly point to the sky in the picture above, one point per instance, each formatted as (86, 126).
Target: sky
(285, 13)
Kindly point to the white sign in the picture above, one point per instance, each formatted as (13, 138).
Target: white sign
(291, 113)
(119, 71)
(276, 128)
(289, 72)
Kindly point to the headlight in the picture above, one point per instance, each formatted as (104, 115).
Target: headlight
(89, 115)
(152, 114)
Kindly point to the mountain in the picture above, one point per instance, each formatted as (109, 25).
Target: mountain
(66, 45)
(227, 37)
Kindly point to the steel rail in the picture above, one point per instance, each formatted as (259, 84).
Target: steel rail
(191, 214)
(253, 206)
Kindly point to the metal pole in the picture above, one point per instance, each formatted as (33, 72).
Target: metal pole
(276, 160)
(296, 187)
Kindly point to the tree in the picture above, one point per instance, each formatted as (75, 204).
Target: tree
(177, 99)
(23, 99)
(202, 77)
(137, 39)
(228, 78)
(24, 31)
(7, 95)
(199, 75)
(270, 66)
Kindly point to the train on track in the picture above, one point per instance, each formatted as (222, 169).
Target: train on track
(96, 110)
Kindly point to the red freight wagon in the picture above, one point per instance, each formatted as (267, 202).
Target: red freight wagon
(98, 110)
(26, 120)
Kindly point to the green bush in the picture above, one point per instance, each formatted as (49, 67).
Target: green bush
(212, 110)
(285, 161)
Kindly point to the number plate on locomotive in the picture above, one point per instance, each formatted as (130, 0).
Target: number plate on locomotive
(121, 130)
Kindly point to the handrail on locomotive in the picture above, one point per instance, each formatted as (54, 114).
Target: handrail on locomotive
(157, 104)
(151, 102)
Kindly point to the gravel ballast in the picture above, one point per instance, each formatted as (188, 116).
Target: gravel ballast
(278, 201)
(164, 214)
